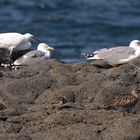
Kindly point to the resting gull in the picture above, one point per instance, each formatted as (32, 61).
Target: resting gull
(43, 51)
(117, 55)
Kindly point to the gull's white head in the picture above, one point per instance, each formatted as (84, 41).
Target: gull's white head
(134, 43)
(44, 47)
(29, 36)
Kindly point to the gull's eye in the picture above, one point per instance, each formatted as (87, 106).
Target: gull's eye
(138, 43)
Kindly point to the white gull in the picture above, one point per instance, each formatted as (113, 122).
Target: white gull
(117, 55)
(16, 41)
(43, 51)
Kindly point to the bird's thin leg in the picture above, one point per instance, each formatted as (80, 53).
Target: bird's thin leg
(11, 50)
(10, 55)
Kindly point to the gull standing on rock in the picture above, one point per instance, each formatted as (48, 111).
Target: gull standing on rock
(117, 55)
(16, 41)
(43, 51)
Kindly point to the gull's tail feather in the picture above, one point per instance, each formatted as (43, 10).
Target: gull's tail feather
(87, 55)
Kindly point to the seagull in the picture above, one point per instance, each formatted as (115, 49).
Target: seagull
(124, 102)
(16, 41)
(117, 55)
(43, 51)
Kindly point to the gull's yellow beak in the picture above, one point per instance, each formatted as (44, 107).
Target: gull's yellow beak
(50, 49)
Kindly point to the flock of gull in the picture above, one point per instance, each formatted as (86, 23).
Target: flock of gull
(18, 42)
(114, 56)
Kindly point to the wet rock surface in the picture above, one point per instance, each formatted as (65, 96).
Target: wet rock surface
(28, 115)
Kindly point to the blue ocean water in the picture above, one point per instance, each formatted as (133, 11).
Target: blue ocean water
(73, 26)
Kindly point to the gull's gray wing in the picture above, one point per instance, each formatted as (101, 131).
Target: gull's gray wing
(123, 49)
(35, 53)
(114, 55)
(29, 57)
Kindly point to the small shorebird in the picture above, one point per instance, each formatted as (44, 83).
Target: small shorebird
(124, 102)
(57, 102)
(2, 105)
(117, 55)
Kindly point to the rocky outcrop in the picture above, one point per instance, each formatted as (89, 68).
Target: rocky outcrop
(26, 93)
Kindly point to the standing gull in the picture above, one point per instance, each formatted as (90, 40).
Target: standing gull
(16, 41)
(43, 51)
(117, 55)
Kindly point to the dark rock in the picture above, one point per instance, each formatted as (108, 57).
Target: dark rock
(86, 87)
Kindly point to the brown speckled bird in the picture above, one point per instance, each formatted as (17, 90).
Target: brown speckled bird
(2, 105)
(57, 102)
(124, 102)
